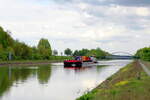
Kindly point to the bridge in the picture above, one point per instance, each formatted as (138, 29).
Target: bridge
(120, 55)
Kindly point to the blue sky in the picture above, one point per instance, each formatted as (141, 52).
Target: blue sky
(113, 25)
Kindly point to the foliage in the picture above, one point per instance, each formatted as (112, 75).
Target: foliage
(122, 83)
(21, 51)
(55, 52)
(143, 53)
(5, 39)
(44, 48)
(68, 52)
(35, 54)
(6, 43)
(100, 54)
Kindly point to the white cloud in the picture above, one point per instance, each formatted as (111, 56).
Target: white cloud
(142, 11)
(78, 25)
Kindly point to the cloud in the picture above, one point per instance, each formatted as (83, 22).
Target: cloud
(131, 2)
(113, 25)
(108, 2)
(143, 11)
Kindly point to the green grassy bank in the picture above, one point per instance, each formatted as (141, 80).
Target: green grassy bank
(28, 62)
(130, 83)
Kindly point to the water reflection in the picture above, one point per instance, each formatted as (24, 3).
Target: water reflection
(18, 75)
(53, 82)
(44, 73)
(99, 68)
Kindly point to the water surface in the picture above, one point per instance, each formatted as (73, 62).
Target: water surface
(53, 81)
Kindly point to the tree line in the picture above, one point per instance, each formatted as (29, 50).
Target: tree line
(143, 53)
(98, 53)
(16, 50)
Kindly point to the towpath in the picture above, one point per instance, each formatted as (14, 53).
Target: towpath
(145, 68)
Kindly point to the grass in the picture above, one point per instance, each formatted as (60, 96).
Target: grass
(130, 83)
(53, 59)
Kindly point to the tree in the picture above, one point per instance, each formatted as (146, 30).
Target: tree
(83, 52)
(5, 39)
(44, 48)
(35, 54)
(100, 54)
(19, 50)
(61, 53)
(76, 53)
(22, 51)
(55, 52)
(6, 43)
(143, 53)
(68, 52)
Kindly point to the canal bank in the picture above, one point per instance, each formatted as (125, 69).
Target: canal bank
(129, 83)
(53, 59)
(29, 62)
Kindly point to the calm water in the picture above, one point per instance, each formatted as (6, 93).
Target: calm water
(53, 82)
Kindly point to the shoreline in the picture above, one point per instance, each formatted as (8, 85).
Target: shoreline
(28, 62)
(129, 83)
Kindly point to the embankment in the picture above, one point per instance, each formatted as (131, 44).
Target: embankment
(129, 83)
(53, 59)
(28, 62)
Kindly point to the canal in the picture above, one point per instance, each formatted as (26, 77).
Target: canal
(53, 81)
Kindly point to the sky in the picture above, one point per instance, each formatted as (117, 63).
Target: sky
(112, 25)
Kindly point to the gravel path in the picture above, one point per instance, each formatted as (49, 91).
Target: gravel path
(145, 68)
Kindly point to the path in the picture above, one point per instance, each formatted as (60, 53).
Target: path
(145, 68)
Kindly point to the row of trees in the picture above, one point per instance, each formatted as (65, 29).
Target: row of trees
(99, 53)
(16, 50)
(143, 53)
(10, 48)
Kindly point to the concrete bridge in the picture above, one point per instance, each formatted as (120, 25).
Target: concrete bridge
(120, 55)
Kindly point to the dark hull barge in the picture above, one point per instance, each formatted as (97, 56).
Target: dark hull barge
(76, 63)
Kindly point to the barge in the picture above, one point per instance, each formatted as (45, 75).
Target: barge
(80, 61)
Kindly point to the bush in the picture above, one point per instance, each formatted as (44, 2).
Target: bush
(144, 53)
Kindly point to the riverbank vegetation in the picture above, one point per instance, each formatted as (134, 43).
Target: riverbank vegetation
(144, 53)
(15, 50)
(98, 53)
(130, 83)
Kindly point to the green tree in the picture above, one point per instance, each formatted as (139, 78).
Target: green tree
(143, 53)
(68, 52)
(55, 52)
(22, 51)
(83, 52)
(76, 53)
(5, 39)
(44, 48)
(6, 43)
(100, 54)
(35, 54)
